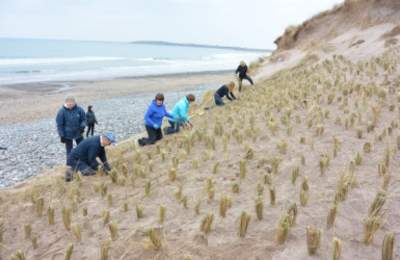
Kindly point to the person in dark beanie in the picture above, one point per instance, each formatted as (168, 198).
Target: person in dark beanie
(241, 71)
(153, 120)
(91, 120)
(83, 158)
(71, 123)
(180, 114)
(225, 90)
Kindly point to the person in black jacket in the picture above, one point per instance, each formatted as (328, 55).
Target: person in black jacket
(71, 123)
(242, 71)
(225, 90)
(83, 158)
(91, 120)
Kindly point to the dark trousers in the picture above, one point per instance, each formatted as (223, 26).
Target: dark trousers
(90, 130)
(246, 77)
(218, 100)
(77, 165)
(69, 145)
(173, 128)
(154, 136)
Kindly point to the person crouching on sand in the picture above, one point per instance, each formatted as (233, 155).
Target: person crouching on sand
(71, 123)
(180, 114)
(242, 71)
(153, 120)
(83, 158)
(91, 120)
(225, 90)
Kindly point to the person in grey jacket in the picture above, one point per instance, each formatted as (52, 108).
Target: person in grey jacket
(91, 120)
(71, 123)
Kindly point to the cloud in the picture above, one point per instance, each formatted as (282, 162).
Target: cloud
(253, 23)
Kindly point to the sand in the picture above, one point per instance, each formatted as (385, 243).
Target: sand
(30, 102)
(309, 104)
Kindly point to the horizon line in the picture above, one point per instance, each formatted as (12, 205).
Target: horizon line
(143, 41)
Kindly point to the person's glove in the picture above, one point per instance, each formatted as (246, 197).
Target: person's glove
(106, 167)
(156, 126)
(62, 140)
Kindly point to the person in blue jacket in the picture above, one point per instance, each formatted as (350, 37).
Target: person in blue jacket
(180, 114)
(71, 123)
(83, 158)
(153, 120)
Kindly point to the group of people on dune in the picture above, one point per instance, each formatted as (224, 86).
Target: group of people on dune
(72, 121)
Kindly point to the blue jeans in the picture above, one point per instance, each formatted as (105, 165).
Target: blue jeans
(173, 128)
(218, 100)
(69, 145)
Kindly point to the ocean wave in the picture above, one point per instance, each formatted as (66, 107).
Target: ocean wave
(36, 61)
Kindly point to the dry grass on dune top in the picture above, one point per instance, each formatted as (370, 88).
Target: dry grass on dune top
(329, 24)
(303, 163)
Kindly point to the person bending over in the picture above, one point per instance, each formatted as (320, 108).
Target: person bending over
(225, 90)
(83, 158)
(153, 120)
(241, 71)
(71, 123)
(180, 114)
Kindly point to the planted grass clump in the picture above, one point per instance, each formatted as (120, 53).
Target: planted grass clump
(242, 169)
(104, 250)
(172, 174)
(292, 214)
(27, 231)
(77, 232)
(388, 246)
(39, 204)
(66, 217)
(163, 211)
(272, 196)
(224, 205)
(330, 220)
(206, 223)
(337, 248)
(313, 239)
(374, 219)
(283, 229)
(346, 181)
(50, 215)
(68, 252)
(155, 239)
(371, 226)
(113, 228)
(19, 255)
(244, 223)
(259, 208)
(295, 174)
(139, 211)
(304, 192)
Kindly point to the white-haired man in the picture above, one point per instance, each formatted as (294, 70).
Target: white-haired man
(71, 123)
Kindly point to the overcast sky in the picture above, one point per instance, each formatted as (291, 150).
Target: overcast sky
(247, 23)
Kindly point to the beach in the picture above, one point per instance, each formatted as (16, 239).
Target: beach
(27, 113)
(303, 165)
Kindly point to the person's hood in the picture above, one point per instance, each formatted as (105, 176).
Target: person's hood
(65, 107)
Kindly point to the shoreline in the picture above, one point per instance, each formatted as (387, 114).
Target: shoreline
(80, 81)
(21, 103)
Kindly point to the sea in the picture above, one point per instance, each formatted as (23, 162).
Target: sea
(43, 60)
